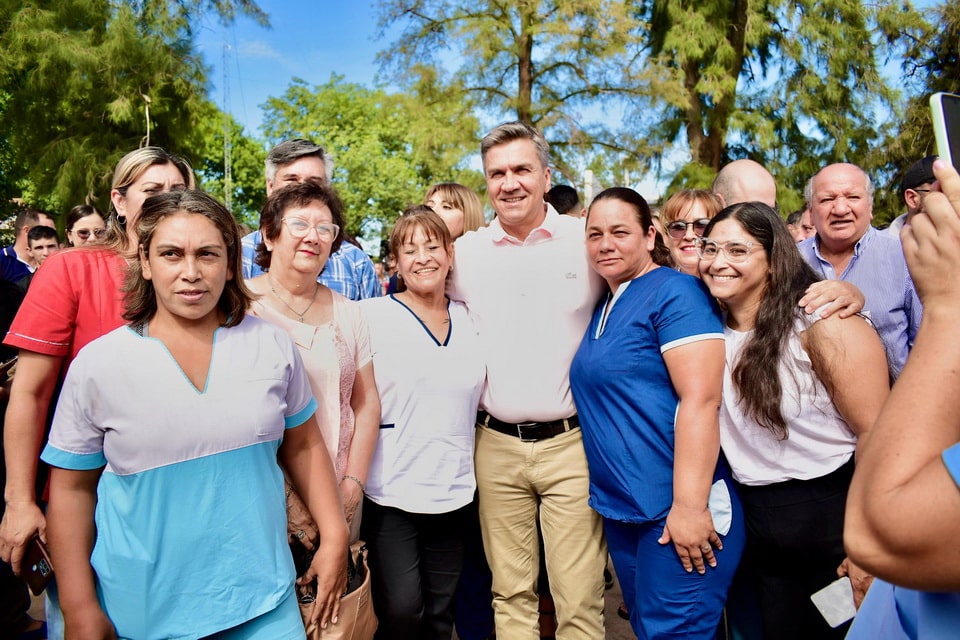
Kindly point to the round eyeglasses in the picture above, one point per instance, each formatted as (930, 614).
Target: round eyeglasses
(678, 228)
(735, 250)
(299, 228)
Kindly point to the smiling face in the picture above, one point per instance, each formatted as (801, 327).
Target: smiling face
(516, 182)
(739, 285)
(451, 215)
(306, 255)
(840, 206)
(156, 179)
(423, 263)
(617, 246)
(187, 263)
(684, 249)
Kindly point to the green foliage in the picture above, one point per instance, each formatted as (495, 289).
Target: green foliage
(387, 149)
(86, 81)
(248, 189)
(555, 64)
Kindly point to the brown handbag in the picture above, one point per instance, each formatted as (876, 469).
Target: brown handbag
(356, 620)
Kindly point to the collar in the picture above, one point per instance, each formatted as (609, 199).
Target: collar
(546, 230)
(858, 246)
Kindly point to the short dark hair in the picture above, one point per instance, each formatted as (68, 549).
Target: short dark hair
(27, 217)
(300, 194)
(292, 150)
(141, 299)
(564, 198)
(41, 232)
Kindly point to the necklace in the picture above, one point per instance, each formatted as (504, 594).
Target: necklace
(299, 314)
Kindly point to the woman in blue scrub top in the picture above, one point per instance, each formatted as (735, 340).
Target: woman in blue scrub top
(166, 515)
(647, 382)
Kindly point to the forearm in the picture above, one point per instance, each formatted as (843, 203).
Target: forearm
(311, 472)
(72, 533)
(696, 448)
(901, 494)
(24, 424)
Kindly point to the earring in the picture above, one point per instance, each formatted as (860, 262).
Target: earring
(122, 221)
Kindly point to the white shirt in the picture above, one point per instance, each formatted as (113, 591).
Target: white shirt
(532, 301)
(423, 462)
(819, 441)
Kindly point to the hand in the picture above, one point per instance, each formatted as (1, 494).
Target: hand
(692, 533)
(89, 623)
(21, 520)
(329, 567)
(860, 580)
(299, 520)
(351, 495)
(833, 295)
(931, 242)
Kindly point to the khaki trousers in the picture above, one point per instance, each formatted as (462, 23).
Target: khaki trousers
(513, 478)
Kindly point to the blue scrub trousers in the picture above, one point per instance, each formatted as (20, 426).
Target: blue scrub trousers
(664, 600)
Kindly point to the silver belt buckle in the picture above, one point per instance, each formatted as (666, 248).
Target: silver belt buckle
(520, 426)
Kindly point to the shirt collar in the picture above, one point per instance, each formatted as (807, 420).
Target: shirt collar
(545, 231)
(858, 246)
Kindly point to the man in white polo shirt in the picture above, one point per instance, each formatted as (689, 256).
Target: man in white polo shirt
(526, 280)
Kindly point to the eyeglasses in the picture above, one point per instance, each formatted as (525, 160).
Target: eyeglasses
(99, 234)
(734, 250)
(299, 228)
(678, 228)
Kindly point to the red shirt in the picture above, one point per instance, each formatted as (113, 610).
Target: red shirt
(75, 298)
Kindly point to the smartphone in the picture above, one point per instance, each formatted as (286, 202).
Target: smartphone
(945, 111)
(37, 570)
(5, 366)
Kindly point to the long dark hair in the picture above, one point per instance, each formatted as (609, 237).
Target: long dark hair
(660, 254)
(756, 374)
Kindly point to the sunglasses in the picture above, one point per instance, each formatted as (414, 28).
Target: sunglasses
(83, 234)
(678, 228)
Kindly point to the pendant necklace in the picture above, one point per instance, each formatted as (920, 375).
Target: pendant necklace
(299, 314)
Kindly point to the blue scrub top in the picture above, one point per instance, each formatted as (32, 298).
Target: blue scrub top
(624, 396)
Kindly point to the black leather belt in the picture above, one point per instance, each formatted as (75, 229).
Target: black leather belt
(529, 431)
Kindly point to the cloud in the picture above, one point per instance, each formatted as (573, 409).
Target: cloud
(260, 49)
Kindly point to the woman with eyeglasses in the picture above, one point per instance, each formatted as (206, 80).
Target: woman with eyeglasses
(685, 215)
(647, 380)
(799, 391)
(301, 226)
(85, 225)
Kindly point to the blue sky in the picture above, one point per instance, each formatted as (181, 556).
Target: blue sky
(308, 40)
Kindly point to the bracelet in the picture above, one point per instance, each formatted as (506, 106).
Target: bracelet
(355, 479)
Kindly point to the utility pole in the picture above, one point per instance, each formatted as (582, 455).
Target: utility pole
(227, 160)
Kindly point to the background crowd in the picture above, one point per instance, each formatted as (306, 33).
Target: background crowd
(703, 393)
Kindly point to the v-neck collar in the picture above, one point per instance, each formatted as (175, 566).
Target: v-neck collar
(426, 329)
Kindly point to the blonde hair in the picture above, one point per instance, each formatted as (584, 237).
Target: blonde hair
(128, 170)
(461, 198)
(681, 202)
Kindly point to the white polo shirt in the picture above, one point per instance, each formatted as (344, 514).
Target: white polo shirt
(531, 301)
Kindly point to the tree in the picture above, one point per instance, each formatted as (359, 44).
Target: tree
(387, 149)
(86, 81)
(550, 63)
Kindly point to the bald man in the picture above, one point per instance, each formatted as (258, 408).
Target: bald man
(745, 181)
